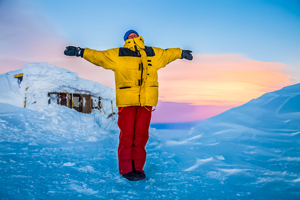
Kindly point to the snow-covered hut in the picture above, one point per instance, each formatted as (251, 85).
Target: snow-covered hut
(84, 103)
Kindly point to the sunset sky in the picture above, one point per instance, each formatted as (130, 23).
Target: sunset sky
(242, 48)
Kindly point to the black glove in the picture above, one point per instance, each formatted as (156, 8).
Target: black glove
(73, 51)
(187, 54)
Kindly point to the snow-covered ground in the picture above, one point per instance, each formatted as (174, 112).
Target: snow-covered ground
(53, 152)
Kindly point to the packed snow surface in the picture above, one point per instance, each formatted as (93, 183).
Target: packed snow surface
(53, 152)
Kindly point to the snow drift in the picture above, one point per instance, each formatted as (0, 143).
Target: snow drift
(53, 152)
(254, 145)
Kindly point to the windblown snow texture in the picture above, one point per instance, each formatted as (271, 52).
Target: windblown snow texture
(53, 152)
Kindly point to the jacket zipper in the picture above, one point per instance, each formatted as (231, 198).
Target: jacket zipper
(135, 47)
(141, 66)
(141, 74)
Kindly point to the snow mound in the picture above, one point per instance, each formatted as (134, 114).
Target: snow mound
(255, 145)
(41, 122)
(279, 109)
(41, 78)
(272, 120)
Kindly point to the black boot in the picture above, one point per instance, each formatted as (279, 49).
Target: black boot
(131, 176)
(140, 174)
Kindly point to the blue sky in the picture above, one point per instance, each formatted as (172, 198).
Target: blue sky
(263, 30)
(225, 36)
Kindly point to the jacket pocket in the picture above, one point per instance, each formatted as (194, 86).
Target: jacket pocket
(152, 84)
(124, 87)
(152, 95)
(127, 96)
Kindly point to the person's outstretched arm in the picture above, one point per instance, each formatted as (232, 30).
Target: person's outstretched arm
(165, 56)
(105, 59)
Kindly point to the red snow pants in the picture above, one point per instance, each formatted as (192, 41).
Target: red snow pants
(134, 124)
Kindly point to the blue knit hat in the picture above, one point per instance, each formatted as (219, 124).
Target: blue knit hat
(128, 32)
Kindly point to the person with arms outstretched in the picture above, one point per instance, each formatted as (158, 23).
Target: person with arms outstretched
(135, 66)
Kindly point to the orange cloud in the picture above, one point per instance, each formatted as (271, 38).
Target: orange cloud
(220, 80)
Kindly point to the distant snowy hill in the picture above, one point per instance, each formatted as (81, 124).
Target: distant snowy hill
(279, 110)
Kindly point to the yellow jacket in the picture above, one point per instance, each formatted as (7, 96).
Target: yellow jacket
(135, 66)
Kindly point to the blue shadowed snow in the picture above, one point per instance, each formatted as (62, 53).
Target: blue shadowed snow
(53, 152)
(174, 126)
